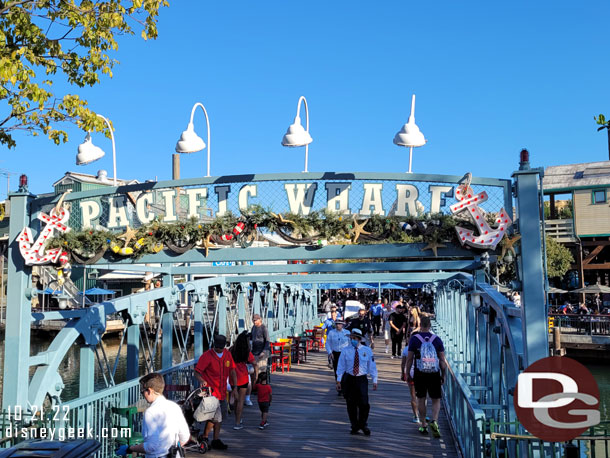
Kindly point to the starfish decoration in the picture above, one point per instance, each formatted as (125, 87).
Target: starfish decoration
(207, 244)
(128, 235)
(508, 245)
(434, 246)
(358, 229)
(281, 218)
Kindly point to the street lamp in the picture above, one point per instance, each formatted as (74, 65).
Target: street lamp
(296, 135)
(410, 135)
(189, 141)
(88, 152)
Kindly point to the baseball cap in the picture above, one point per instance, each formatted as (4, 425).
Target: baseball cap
(220, 341)
(256, 317)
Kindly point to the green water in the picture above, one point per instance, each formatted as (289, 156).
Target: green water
(601, 372)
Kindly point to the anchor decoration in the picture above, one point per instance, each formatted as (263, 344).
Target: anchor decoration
(468, 201)
(34, 252)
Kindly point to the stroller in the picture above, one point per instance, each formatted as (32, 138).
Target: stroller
(198, 408)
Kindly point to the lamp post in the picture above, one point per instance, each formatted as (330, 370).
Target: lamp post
(88, 152)
(410, 136)
(189, 141)
(296, 135)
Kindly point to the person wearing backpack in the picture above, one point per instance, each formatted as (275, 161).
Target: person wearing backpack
(427, 352)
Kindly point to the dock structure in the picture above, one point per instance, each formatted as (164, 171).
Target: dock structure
(307, 418)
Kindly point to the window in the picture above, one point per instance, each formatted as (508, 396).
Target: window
(599, 197)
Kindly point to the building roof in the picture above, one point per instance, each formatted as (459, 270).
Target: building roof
(101, 178)
(573, 176)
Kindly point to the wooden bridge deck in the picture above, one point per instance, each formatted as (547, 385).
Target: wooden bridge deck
(308, 419)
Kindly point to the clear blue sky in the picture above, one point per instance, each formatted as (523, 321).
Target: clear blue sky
(490, 78)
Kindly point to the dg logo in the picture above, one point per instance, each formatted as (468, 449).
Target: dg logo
(557, 399)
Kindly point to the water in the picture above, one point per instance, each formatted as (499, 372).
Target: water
(601, 372)
(69, 367)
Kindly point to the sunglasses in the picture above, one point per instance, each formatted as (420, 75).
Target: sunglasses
(143, 391)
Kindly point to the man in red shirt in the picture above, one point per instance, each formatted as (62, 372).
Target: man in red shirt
(213, 369)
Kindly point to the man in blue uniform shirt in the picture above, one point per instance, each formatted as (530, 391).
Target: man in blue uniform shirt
(336, 341)
(355, 363)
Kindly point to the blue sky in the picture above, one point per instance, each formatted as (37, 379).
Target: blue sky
(490, 78)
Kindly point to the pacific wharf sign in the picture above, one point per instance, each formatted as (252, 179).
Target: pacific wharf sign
(361, 197)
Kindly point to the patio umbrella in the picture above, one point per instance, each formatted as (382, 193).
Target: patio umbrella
(553, 290)
(98, 292)
(593, 289)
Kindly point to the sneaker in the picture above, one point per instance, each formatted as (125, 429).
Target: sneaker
(423, 429)
(248, 402)
(239, 426)
(354, 432)
(434, 427)
(217, 444)
(392, 357)
(386, 351)
(416, 419)
(366, 431)
(263, 425)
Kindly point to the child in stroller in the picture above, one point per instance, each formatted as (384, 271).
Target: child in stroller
(198, 408)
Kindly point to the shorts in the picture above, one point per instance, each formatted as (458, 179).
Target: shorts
(242, 386)
(220, 411)
(264, 406)
(386, 334)
(427, 383)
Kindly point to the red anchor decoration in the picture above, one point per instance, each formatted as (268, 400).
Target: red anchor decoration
(34, 252)
(468, 201)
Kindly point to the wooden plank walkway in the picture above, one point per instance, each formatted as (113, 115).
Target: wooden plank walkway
(308, 419)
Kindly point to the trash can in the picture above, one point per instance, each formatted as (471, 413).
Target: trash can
(38, 448)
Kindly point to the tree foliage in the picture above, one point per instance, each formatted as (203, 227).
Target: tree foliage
(44, 39)
(558, 258)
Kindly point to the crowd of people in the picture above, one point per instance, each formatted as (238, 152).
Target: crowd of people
(228, 376)
(350, 343)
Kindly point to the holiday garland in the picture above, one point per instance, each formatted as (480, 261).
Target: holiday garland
(316, 228)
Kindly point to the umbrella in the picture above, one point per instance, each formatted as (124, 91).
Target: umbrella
(553, 290)
(592, 289)
(391, 286)
(98, 292)
(50, 291)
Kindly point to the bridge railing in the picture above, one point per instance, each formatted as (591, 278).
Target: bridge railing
(594, 443)
(464, 413)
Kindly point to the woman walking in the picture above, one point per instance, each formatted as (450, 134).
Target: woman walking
(242, 356)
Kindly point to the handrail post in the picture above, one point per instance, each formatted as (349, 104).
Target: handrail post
(18, 308)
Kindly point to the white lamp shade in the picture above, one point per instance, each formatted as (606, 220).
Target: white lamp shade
(88, 152)
(409, 135)
(189, 141)
(296, 135)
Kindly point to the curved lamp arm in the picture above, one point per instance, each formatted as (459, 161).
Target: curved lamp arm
(304, 100)
(207, 123)
(113, 149)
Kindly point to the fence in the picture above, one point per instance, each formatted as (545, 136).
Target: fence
(589, 325)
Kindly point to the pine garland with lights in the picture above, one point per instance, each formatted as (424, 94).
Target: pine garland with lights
(316, 228)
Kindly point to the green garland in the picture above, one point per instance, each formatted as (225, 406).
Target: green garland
(315, 228)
